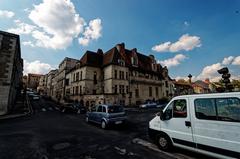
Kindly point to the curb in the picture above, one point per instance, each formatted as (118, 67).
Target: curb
(12, 116)
(155, 148)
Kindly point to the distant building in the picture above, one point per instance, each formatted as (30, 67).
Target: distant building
(201, 87)
(119, 76)
(33, 80)
(11, 68)
(182, 88)
(60, 76)
(50, 85)
(42, 86)
(24, 81)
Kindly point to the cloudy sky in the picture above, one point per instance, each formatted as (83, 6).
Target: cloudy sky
(197, 37)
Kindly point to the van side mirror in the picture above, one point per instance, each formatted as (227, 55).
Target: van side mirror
(161, 115)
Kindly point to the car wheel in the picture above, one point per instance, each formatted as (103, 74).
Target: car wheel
(103, 125)
(87, 119)
(164, 142)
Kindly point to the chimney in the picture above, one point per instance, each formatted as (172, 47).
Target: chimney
(99, 51)
(120, 47)
(134, 49)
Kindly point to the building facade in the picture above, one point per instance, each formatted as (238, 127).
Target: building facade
(42, 86)
(11, 68)
(50, 85)
(119, 76)
(33, 80)
(60, 76)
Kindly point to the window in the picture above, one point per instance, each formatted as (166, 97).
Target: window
(73, 90)
(99, 109)
(94, 91)
(77, 76)
(156, 91)
(74, 77)
(166, 84)
(150, 91)
(228, 109)
(115, 74)
(95, 78)
(127, 89)
(127, 75)
(104, 109)
(80, 89)
(77, 90)
(205, 109)
(81, 75)
(136, 93)
(115, 89)
(180, 108)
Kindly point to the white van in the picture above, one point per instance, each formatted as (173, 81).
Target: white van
(206, 123)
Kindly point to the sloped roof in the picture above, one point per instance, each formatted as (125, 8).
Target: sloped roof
(92, 59)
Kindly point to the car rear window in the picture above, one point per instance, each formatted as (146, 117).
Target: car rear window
(115, 109)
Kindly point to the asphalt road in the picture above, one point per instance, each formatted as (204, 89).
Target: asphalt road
(49, 133)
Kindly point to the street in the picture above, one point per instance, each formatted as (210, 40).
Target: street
(49, 133)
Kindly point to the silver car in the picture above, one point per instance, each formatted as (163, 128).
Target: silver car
(106, 115)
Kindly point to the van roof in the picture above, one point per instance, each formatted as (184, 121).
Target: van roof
(210, 94)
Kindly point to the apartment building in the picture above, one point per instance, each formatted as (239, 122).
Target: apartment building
(119, 76)
(60, 76)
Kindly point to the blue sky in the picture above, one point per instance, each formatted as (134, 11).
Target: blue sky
(189, 36)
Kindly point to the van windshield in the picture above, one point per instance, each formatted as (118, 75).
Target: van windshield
(115, 109)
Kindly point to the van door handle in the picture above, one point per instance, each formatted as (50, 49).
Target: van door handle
(188, 123)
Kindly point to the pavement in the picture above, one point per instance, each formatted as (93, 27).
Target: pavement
(21, 109)
(51, 134)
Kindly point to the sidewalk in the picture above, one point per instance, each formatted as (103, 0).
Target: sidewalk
(21, 108)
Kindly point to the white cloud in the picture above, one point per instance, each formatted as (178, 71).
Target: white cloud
(59, 21)
(28, 43)
(6, 14)
(92, 32)
(211, 72)
(185, 42)
(83, 41)
(227, 60)
(36, 67)
(22, 28)
(236, 61)
(173, 61)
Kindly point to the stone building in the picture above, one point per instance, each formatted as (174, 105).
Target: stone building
(182, 87)
(60, 76)
(118, 76)
(50, 85)
(11, 68)
(33, 80)
(42, 86)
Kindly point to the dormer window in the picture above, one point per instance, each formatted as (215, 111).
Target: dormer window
(134, 61)
(121, 62)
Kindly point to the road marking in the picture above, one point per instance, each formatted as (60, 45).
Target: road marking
(155, 148)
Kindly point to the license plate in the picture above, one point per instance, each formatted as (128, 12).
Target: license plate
(118, 122)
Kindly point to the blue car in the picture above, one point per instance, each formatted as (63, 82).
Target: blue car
(107, 115)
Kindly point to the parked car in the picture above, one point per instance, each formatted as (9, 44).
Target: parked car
(73, 107)
(148, 104)
(33, 96)
(107, 115)
(205, 123)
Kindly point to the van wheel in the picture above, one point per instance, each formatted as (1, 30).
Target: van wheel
(164, 143)
(103, 125)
